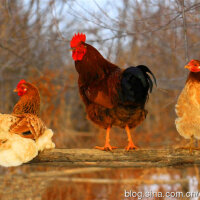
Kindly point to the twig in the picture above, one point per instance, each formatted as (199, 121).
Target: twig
(19, 56)
(185, 31)
(55, 22)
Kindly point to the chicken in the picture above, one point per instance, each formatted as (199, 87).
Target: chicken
(23, 133)
(29, 101)
(188, 105)
(112, 96)
(25, 121)
(16, 150)
(26, 125)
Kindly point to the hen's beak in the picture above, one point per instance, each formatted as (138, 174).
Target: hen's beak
(71, 49)
(15, 90)
(187, 66)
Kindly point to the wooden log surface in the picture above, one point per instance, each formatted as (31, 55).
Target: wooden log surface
(119, 158)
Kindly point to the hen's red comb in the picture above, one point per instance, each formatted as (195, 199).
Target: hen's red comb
(194, 62)
(77, 38)
(21, 82)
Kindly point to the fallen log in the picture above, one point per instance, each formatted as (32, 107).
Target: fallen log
(119, 158)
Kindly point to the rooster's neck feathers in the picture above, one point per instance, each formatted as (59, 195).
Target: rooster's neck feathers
(93, 66)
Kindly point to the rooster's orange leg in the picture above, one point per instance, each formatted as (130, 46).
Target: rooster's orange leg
(130, 141)
(107, 145)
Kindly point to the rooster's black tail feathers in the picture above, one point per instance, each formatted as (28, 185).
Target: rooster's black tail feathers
(136, 83)
(145, 69)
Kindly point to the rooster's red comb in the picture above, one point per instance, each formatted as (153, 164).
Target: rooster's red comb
(21, 82)
(77, 38)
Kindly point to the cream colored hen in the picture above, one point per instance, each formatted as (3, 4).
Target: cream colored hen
(188, 105)
(16, 149)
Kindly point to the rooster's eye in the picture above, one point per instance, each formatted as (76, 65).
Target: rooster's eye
(25, 89)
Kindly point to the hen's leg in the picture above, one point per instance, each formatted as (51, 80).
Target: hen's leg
(130, 141)
(107, 145)
(191, 146)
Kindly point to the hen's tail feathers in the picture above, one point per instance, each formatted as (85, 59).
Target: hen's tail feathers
(137, 83)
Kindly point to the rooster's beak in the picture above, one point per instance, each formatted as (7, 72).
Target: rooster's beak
(71, 49)
(15, 90)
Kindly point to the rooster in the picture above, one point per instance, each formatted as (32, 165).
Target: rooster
(112, 96)
(23, 133)
(188, 105)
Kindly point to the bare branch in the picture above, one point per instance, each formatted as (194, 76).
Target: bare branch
(185, 31)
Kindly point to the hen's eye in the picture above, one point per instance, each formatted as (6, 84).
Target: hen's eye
(25, 89)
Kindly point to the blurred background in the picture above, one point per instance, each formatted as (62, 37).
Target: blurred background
(34, 45)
